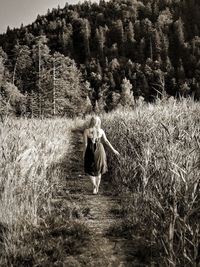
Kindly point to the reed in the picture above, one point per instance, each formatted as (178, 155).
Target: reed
(157, 177)
(34, 156)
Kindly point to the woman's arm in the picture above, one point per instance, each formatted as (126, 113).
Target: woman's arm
(84, 142)
(109, 144)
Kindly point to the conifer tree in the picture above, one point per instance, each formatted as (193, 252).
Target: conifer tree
(127, 98)
(156, 44)
(69, 91)
(115, 102)
(22, 63)
(120, 32)
(130, 42)
(65, 38)
(96, 107)
(100, 37)
(180, 71)
(86, 33)
(179, 32)
(141, 54)
(41, 59)
(102, 98)
(3, 58)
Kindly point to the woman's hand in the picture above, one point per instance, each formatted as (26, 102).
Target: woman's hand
(109, 144)
(116, 152)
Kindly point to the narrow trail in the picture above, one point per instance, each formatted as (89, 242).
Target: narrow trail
(115, 252)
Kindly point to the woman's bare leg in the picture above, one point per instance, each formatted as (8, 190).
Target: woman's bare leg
(98, 181)
(93, 180)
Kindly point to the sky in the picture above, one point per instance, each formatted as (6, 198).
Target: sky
(15, 12)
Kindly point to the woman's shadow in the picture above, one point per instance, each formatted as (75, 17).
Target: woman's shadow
(69, 169)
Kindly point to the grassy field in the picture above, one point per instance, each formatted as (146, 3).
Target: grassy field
(157, 177)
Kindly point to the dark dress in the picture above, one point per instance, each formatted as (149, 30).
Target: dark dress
(95, 162)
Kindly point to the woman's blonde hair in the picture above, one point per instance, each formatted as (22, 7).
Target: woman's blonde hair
(95, 124)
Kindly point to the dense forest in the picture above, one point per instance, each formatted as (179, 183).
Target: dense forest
(100, 56)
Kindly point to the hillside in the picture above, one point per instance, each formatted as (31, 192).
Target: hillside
(151, 46)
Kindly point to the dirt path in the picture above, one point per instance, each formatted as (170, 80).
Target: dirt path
(99, 218)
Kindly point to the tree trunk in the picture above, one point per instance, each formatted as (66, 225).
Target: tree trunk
(151, 49)
(15, 67)
(39, 83)
(54, 89)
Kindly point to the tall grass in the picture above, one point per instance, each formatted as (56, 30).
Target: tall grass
(157, 176)
(31, 172)
(28, 149)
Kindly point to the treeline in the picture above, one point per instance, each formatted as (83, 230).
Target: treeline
(123, 49)
(41, 84)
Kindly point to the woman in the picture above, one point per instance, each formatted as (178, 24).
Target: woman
(95, 163)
